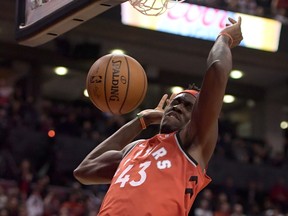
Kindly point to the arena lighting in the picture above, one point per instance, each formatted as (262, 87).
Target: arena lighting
(117, 51)
(85, 93)
(205, 23)
(51, 133)
(228, 99)
(284, 125)
(236, 74)
(176, 89)
(61, 71)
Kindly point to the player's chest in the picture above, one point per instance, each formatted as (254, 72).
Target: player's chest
(147, 163)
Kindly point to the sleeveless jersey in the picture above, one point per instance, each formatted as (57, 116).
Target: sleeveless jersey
(155, 178)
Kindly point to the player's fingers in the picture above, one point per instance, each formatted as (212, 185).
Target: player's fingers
(231, 20)
(172, 96)
(162, 101)
(239, 20)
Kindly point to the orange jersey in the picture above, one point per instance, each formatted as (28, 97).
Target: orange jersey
(155, 178)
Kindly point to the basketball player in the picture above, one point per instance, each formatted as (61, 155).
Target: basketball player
(161, 176)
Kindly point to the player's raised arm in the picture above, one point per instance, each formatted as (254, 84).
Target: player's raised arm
(204, 120)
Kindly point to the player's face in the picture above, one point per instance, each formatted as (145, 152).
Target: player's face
(177, 113)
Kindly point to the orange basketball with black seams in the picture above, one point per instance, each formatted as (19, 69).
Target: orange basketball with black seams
(116, 83)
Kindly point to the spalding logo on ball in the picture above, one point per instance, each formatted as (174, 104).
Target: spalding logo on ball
(116, 83)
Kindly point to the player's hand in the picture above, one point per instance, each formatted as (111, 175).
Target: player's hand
(234, 30)
(154, 116)
(164, 102)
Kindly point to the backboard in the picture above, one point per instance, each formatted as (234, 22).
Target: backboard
(39, 21)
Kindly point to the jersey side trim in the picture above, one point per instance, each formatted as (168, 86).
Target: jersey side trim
(132, 147)
(189, 157)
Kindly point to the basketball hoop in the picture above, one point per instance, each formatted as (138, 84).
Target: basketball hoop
(153, 7)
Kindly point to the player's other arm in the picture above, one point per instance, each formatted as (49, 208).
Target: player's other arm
(99, 166)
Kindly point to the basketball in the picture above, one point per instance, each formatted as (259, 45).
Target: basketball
(116, 83)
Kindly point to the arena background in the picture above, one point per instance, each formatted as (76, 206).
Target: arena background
(249, 167)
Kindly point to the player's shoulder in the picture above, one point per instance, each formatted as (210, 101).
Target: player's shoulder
(130, 146)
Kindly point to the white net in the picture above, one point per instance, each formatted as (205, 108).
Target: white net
(153, 7)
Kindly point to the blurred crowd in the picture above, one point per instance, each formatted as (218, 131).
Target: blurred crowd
(28, 197)
(277, 9)
(26, 190)
(247, 150)
(227, 200)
